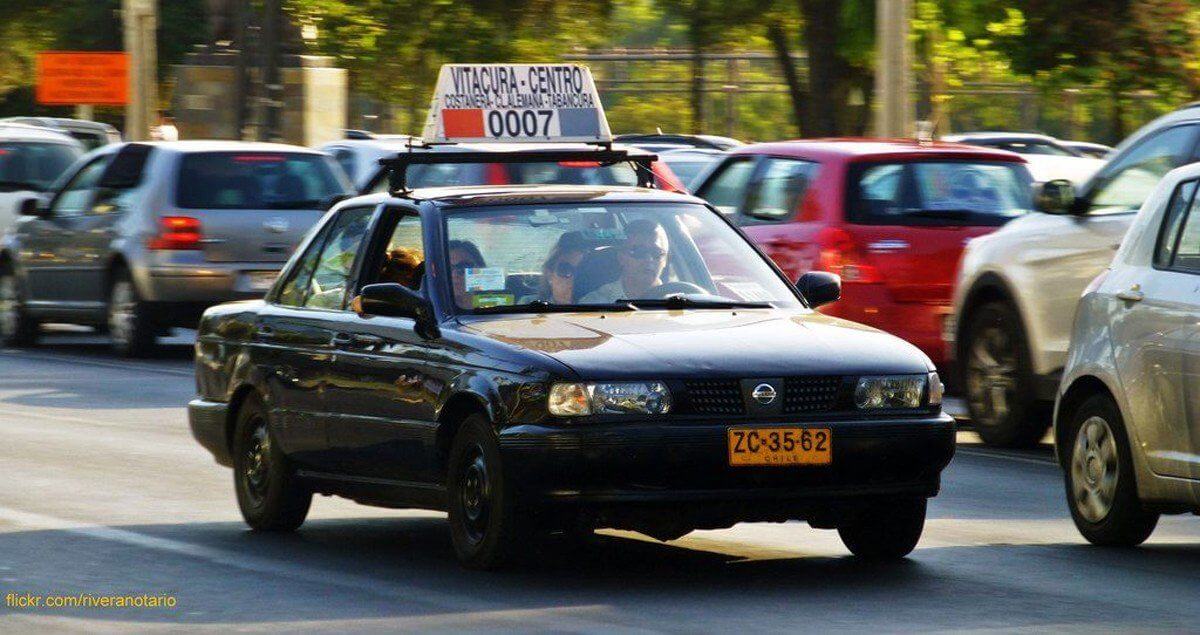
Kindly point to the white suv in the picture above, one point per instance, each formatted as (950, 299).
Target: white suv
(1017, 288)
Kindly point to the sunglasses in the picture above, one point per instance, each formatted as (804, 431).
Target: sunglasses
(645, 252)
(564, 269)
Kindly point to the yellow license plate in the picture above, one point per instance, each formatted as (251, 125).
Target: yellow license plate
(780, 446)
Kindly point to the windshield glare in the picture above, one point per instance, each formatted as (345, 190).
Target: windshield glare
(581, 254)
(34, 166)
(257, 180)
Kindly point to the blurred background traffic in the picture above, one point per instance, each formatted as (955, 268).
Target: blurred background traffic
(952, 160)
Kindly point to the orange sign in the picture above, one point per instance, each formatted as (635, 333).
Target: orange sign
(68, 78)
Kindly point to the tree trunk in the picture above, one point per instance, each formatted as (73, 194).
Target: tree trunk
(783, 55)
(826, 68)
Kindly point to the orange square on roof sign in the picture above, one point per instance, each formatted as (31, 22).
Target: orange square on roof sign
(463, 122)
(68, 78)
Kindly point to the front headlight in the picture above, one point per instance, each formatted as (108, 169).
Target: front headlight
(632, 397)
(889, 392)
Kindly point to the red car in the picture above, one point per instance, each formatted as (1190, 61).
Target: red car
(890, 217)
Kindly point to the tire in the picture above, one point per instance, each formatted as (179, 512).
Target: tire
(487, 527)
(998, 381)
(1101, 486)
(269, 495)
(888, 532)
(130, 327)
(17, 327)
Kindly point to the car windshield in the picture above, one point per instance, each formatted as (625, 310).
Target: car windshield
(28, 165)
(530, 258)
(257, 180)
(944, 192)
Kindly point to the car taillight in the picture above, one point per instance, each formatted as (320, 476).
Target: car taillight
(840, 254)
(177, 232)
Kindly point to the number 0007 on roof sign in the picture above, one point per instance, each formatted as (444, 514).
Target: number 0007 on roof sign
(516, 102)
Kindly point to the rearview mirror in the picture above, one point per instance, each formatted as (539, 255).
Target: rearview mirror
(396, 300)
(820, 288)
(1056, 197)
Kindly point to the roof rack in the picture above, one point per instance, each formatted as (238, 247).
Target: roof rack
(398, 165)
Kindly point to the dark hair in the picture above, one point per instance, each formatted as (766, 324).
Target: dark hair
(569, 242)
(470, 248)
(641, 226)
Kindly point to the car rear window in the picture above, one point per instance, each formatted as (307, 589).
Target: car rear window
(33, 166)
(941, 192)
(257, 180)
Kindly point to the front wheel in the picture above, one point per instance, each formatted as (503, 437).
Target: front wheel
(486, 526)
(1101, 490)
(888, 532)
(998, 379)
(268, 493)
(17, 327)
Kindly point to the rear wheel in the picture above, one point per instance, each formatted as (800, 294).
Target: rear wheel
(130, 327)
(888, 532)
(1100, 484)
(17, 328)
(998, 379)
(486, 526)
(268, 493)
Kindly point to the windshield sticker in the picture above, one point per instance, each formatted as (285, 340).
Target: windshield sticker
(484, 279)
(485, 300)
(751, 291)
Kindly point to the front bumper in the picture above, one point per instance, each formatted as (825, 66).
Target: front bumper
(207, 420)
(688, 462)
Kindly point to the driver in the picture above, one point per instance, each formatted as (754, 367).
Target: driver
(642, 257)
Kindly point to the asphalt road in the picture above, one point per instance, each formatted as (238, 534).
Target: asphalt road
(102, 491)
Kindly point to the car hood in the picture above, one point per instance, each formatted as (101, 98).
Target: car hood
(704, 343)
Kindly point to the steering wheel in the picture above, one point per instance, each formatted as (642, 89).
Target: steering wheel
(676, 287)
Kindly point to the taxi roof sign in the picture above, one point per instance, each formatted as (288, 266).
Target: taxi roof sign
(516, 103)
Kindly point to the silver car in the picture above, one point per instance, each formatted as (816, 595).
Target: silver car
(1127, 419)
(138, 238)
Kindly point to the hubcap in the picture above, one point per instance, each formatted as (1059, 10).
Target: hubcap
(257, 467)
(474, 488)
(9, 305)
(1094, 469)
(991, 376)
(121, 308)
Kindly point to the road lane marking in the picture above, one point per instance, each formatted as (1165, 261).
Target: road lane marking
(558, 618)
(83, 361)
(1005, 457)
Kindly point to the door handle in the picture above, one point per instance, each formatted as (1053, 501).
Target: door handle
(1132, 294)
(342, 339)
(264, 333)
(888, 246)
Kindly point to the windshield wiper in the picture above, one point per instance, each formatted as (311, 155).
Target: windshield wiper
(684, 302)
(542, 306)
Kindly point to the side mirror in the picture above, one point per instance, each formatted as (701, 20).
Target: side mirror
(1056, 197)
(820, 288)
(32, 206)
(396, 300)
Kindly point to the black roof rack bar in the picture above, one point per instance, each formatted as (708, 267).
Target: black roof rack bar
(397, 165)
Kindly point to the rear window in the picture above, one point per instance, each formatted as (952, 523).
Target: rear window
(28, 165)
(939, 193)
(257, 180)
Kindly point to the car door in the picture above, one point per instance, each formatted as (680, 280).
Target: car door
(49, 254)
(385, 381)
(1153, 326)
(295, 336)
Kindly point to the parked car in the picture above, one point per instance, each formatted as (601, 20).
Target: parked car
(31, 158)
(1017, 288)
(710, 397)
(1048, 158)
(665, 141)
(360, 158)
(691, 164)
(92, 134)
(1090, 149)
(142, 237)
(889, 217)
(1128, 410)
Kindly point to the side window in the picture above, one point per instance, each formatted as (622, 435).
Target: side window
(777, 193)
(403, 259)
(118, 188)
(296, 287)
(331, 275)
(1169, 235)
(1131, 178)
(76, 196)
(1186, 256)
(727, 189)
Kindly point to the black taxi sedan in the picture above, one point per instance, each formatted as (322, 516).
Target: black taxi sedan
(561, 358)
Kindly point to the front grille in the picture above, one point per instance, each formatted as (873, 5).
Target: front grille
(811, 394)
(715, 396)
